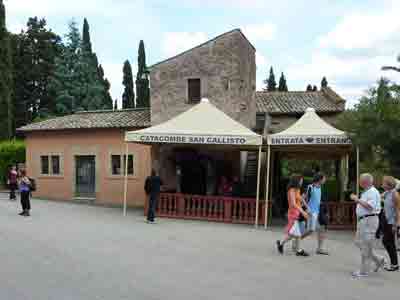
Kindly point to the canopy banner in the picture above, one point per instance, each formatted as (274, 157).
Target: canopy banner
(309, 140)
(193, 139)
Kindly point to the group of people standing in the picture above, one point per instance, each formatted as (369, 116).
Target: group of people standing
(18, 180)
(307, 214)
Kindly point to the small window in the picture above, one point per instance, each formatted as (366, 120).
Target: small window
(116, 164)
(55, 164)
(44, 160)
(194, 90)
(260, 121)
(130, 164)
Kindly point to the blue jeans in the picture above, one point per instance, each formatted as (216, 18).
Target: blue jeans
(153, 201)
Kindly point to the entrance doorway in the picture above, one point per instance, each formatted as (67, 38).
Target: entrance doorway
(85, 176)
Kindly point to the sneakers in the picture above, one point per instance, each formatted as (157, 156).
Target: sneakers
(392, 268)
(21, 213)
(379, 265)
(322, 252)
(358, 274)
(279, 246)
(303, 253)
(150, 222)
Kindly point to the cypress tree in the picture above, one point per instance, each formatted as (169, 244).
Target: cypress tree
(142, 80)
(115, 104)
(86, 43)
(6, 81)
(270, 82)
(128, 97)
(324, 82)
(282, 84)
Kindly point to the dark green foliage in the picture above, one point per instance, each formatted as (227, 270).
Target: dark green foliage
(270, 82)
(142, 80)
(309, 88)
(128, 97)
(374, 125)
(6, 79)
(115, 104)
(315, 89)
(282, 84)
(78, 81)
(37, 49)
(324, 82)
(11, 152)
(86, 43)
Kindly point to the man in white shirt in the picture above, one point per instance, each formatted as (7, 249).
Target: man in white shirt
(368, 209)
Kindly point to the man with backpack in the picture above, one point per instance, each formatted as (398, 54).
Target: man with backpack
(152, 188)
(317, 209)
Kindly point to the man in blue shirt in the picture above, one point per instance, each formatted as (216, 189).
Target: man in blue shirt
(314, 195)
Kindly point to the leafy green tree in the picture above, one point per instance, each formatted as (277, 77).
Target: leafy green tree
(37, 49)
(142, 80)
(324, 82)
(128, 97)
(270, 82)
(374, 125)
(76, 80)
(309, 88)
(282, 84)
(6, 80)
(315, 89)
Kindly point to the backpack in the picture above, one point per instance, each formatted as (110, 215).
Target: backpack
(147, 185)
(32, 186)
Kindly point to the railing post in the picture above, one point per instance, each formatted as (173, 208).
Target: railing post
(228, 210)
(180, 205)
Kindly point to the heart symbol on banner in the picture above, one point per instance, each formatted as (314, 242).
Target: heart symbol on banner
(310, 140)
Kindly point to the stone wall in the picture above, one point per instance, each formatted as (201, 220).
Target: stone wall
(227, 69)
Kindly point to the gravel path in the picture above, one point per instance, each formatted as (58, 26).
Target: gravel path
(72, 252)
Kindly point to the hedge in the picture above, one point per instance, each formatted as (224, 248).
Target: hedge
(11, 152)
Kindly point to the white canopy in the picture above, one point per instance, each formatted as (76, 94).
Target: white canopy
(202, 124)
(310, 129)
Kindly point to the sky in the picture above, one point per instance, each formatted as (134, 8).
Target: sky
(345, 40)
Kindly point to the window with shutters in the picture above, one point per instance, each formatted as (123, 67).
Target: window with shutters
(194, 90)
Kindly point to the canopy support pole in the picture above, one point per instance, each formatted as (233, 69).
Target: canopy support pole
(267, 187)
(358, 172)
(258, 186)
(126, 179)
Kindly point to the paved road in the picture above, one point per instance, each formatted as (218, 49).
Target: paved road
(72, 252)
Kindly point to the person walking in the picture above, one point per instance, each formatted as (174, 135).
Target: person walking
(391, 221)
(25, 190)
(293, 228)
(314, 195)
(152, 187)
(12, 181)
(367, 211)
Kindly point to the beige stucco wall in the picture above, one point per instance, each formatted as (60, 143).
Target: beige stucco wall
(101, 143)
(227, 69)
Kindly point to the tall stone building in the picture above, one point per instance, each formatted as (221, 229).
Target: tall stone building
(222, 70)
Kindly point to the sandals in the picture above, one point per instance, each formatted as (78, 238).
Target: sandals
(303, 253)
(280, 247)
(392, 268)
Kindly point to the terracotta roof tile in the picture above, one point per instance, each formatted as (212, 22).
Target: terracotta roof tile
(129, 118)
(325, 101)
